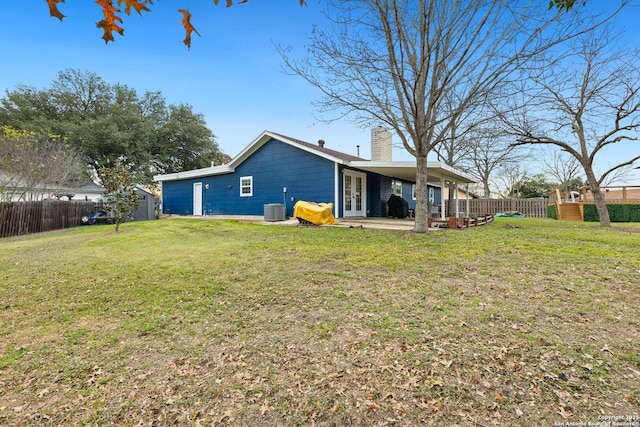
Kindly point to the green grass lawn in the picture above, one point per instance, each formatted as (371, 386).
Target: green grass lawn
(195, 322)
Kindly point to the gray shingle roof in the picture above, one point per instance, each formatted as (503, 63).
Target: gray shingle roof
(337, 154)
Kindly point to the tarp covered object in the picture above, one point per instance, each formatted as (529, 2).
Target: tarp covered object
(512, 214)
(398, 207)
(315, 213)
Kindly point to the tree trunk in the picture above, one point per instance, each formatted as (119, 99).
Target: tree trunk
(598, 197)
(422, 205)
(487, 189)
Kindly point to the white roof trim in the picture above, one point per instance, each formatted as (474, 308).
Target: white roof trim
(196, 173)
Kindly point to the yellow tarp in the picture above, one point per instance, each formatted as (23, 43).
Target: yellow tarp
(315, 213)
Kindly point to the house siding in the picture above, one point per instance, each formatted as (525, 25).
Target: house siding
(376, 206)
(273, 166)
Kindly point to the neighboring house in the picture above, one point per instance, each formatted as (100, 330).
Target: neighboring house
(13, 192)
(462, 194)
(90, 192)
(14, 189)
(278, 169)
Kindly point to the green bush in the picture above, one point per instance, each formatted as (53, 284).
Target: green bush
(617, 213)
(590, 213)
(552, 212)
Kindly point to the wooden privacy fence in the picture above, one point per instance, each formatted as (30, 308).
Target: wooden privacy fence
(19, 218)
(530, 207)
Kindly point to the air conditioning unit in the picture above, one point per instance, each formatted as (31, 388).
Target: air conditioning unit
(274, 212)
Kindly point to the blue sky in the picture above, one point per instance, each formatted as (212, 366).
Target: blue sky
(232, 74)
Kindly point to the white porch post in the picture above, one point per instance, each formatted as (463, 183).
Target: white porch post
(457, 204)
(466, 190)
(442, 213)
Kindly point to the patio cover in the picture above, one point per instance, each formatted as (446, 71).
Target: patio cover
(436, 171)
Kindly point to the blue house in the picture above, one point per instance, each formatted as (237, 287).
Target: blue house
(278, 169)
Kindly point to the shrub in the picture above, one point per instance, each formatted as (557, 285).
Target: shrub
(634, 213)
(617, 213)
(590, 213)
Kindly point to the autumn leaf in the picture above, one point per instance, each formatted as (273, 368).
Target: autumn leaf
(137, 5)
(563, 413)
(606, 348)
(398, 406)
(112, 22)
(53, 9)
(371, 406)
(108, 24)
(188, 28)
(264, 408)
(229, 2)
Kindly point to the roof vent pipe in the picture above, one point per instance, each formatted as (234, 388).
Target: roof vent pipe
(321, 142)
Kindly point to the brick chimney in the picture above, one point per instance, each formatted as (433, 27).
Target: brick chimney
(380, 144)
(321, 143)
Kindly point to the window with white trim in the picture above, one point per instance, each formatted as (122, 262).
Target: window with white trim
(396, 187)
(246, 186)
(432, 193)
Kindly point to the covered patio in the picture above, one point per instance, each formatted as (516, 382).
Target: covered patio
(437, 172)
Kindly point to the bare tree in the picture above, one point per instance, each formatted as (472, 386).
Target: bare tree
(627, 172)
(508, 177)
(392, 62)
(564, 169)
(582, 103)
(490, 152)
(34, 166)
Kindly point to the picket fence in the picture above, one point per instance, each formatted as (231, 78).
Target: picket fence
(530, 207)
(20, 218)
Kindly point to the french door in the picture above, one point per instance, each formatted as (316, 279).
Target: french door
(354, 191)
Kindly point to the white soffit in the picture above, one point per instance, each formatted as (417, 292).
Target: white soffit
(407, 171)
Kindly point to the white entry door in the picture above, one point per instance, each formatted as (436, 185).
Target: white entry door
(354, 190)
(197, 198)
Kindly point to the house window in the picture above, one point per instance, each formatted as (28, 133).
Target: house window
(396, 187)
(432, 193)
(246, 186)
